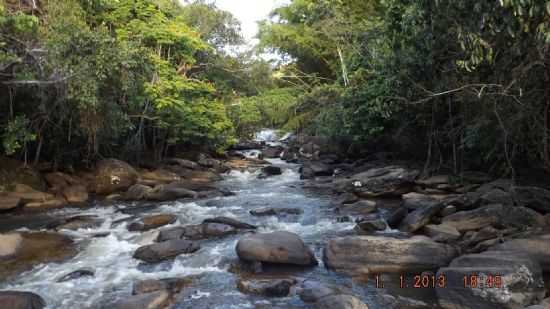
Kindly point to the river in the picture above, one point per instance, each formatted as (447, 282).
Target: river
(215, 287)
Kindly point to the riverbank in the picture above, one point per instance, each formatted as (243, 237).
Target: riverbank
(367, 222)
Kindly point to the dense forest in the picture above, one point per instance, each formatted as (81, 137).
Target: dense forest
(459, 84)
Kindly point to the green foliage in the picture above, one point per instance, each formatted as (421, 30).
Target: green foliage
(16, 135)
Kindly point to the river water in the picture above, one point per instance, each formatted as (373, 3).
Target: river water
(215, 286)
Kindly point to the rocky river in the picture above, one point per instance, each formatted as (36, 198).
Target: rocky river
(291, 233)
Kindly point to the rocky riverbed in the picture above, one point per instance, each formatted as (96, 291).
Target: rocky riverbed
(273, 226)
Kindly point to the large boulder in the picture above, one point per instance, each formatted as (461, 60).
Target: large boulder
(58, 181)
(271, 170)
(182, 163)
(113, 175)
(9, 202)
(272, 152)
(340, 301)
(76, 194)
(493, 280)
(494, 215)
(441, 232)
(279, 247)
(151, 222)
(165, 250)
(385, 181)
(414, 200)
(420, 217)
(13, 172)
(315, 169)
(536, 247)
(137, 192)
(21, 300)
(533, 197)
(197, 231)
(22, 251)
(357, 255)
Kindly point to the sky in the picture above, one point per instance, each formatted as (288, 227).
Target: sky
(249, 12)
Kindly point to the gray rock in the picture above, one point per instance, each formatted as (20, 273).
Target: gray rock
(266, 287)
(151, 222)
(21, 300)
(441, 232)
(231, 222)
(536, 247)
(359, 255)
(170, 192)
(137, 192)
(340, 301)
(475, 219)
(420, 217)
(173, 285)
(533, 197)
(272, 211)
(114, 175)
(271, 170)
(414, 200)
(83, 272)
(520, 282)
(277, 248)
(315, 169)
(385, 181)
(397, 216)
(369, 225)
(197, 232)
(165, 250)
(360, 207)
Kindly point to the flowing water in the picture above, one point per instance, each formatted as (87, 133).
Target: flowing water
(215, 286)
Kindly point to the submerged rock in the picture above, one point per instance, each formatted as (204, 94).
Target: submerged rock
(151, 222)
(277, 248)
(83, 272)
(154, 300)
(29, 249)
(165, 250)
(78, 222)
(197, 232)
(271, 171)
(272, 211)
(21, 300)
(231, 222)
(173, 285)
(360, 255)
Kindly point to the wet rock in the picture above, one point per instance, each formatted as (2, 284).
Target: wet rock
(312, 291)
(370, 225)
(360, 207)
(441, 232)
(182, 162)
(536, 247)
(114, 175)
(21, 300)
(496, 196)
(357, 255)
(273, 152)
(533, 197)
(420, 217)
(170, 192)
(266, 287)
(9, 244)
(401, 302)
(316, 169)
(165, 250)
(277, 248)
(520, 280)
(77, 222)
(33, 249)
(83, 272)
(271, 211)
(154, 300)
(271, 171)
(76, 194)
(137, 192)
(9, 202)
(396, 216)
(340, 301)
(173, 285)
(347, 198)
(197, 232)
(231, 222)
(151, 222)
(289, 156)
(385, 181)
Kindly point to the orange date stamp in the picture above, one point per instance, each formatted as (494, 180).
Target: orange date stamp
(432, 281)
